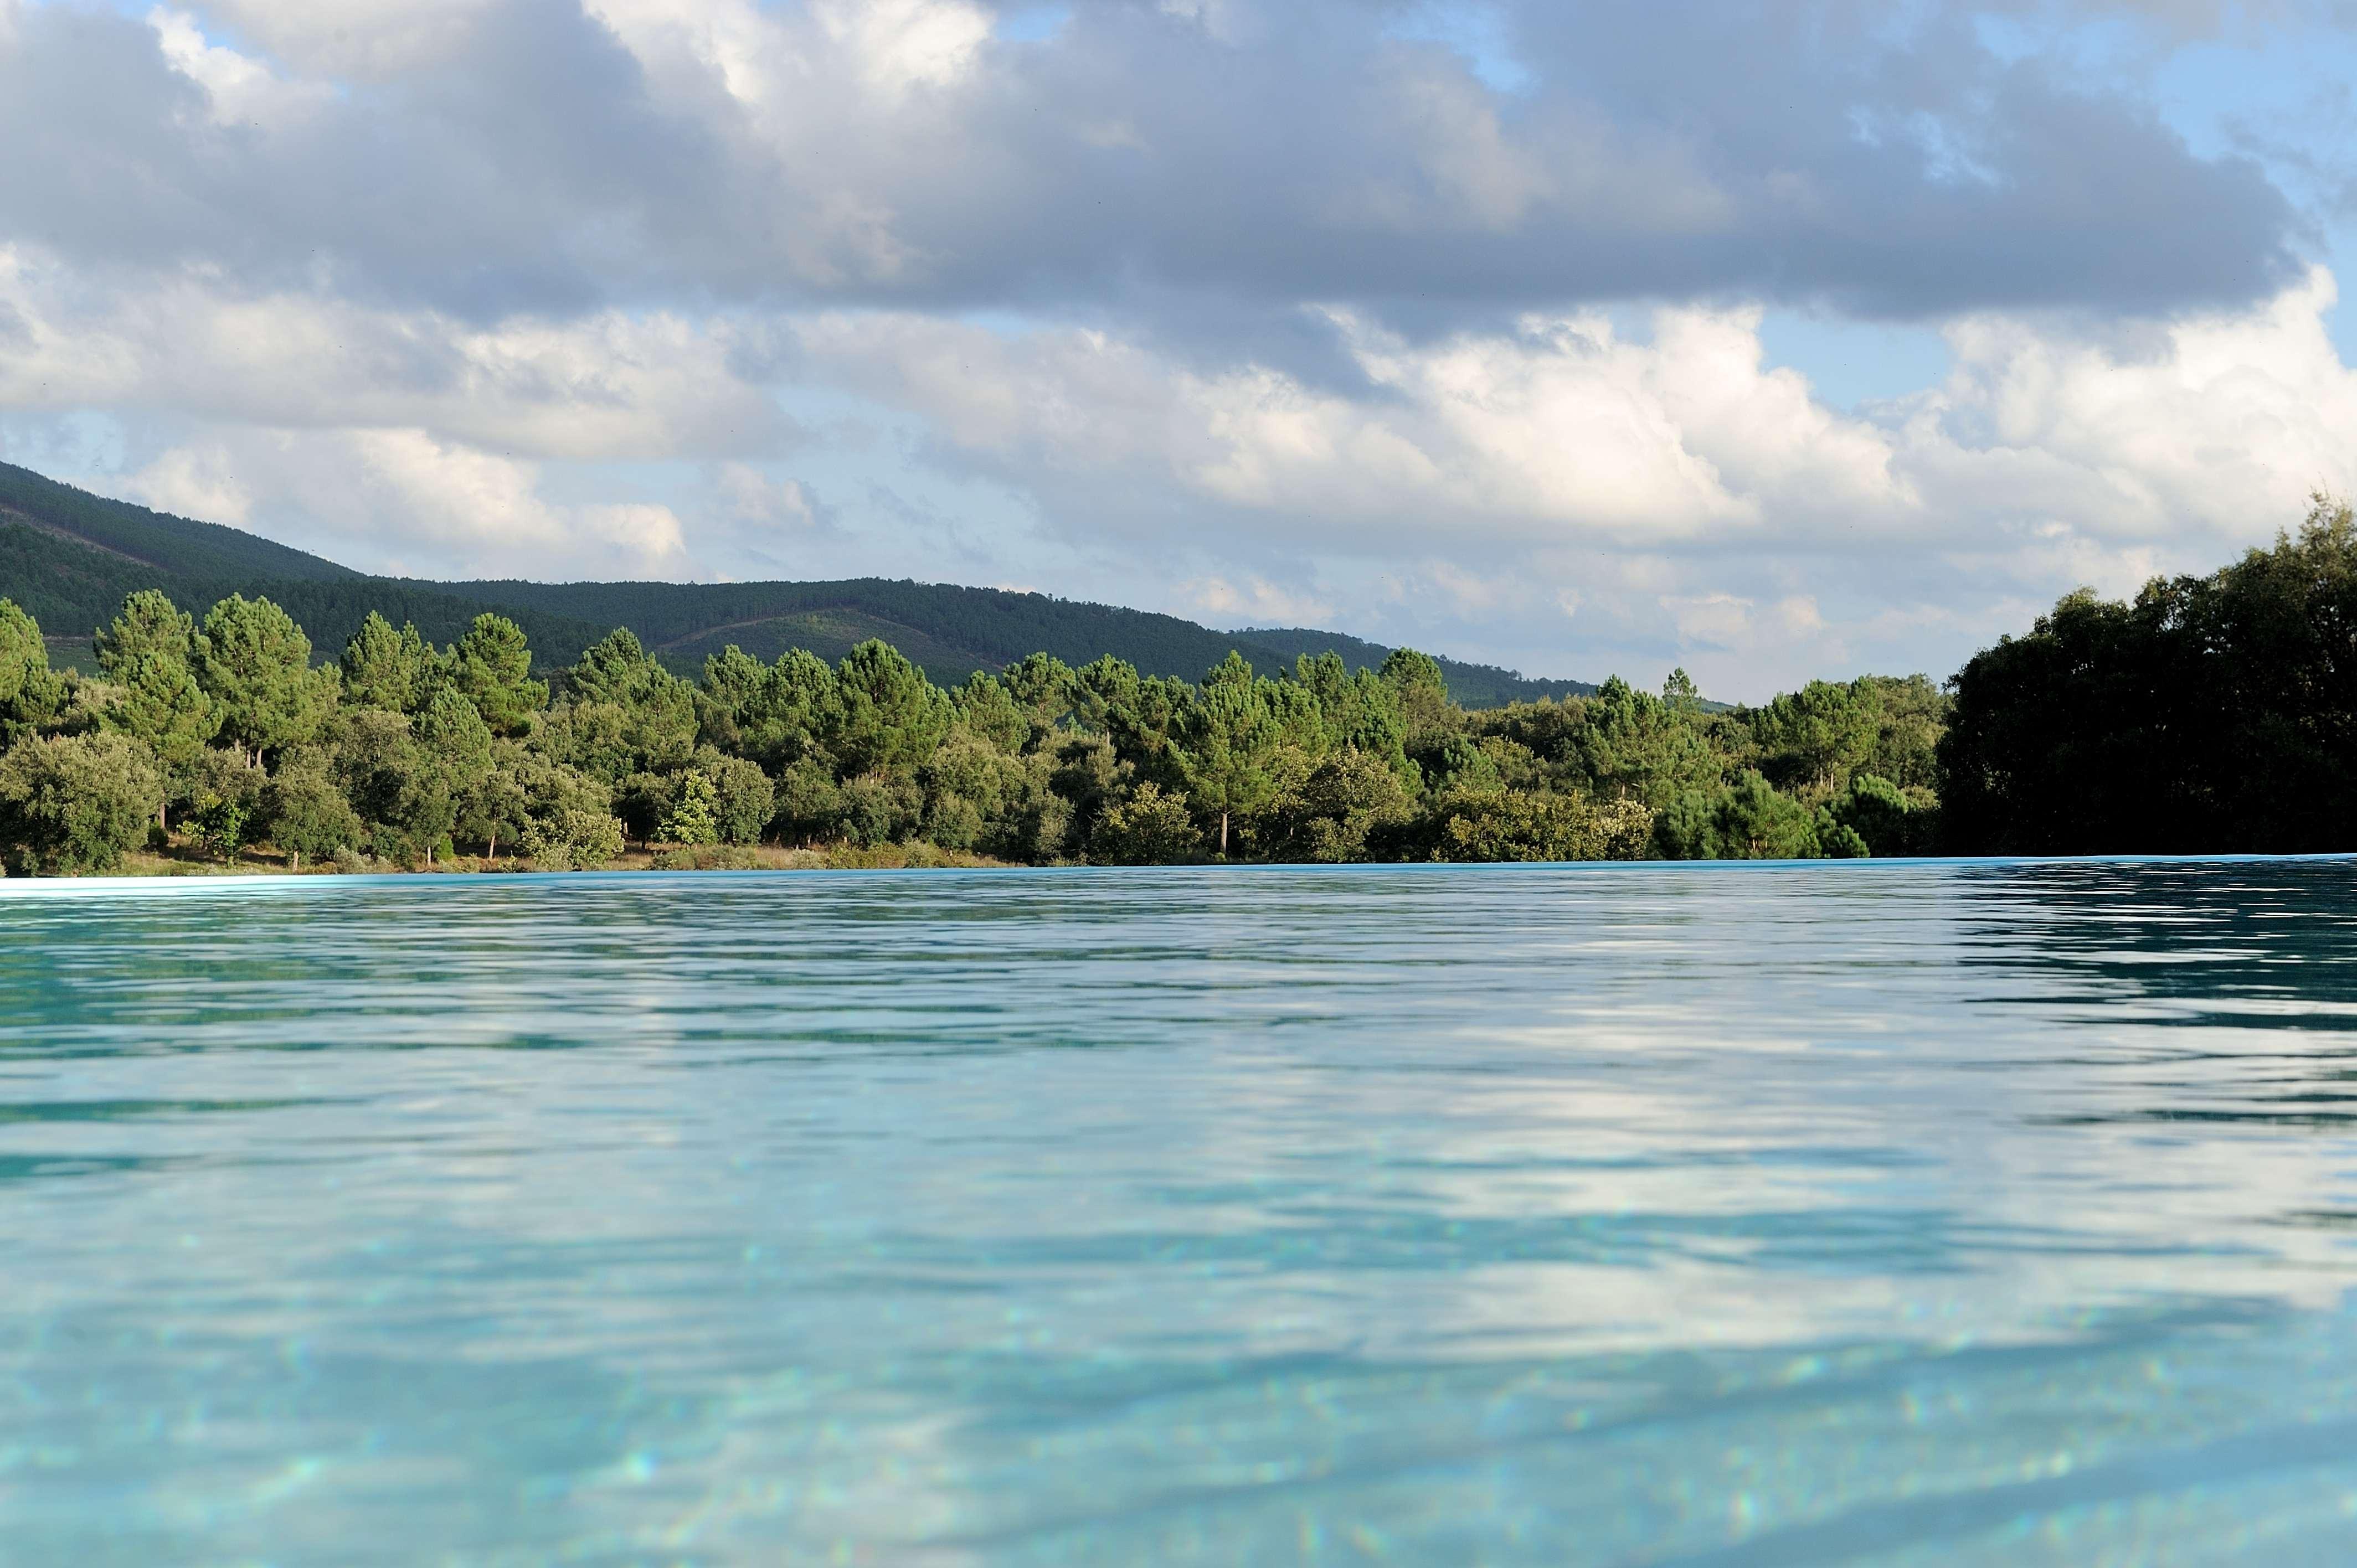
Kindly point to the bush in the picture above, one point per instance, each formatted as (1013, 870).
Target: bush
(572, 838)
(220, 828)
(877, 808)
(1510, 827)
(76, 803)
(303, 811)
(694, 815)
(1882, 817)
(1750, 822)
(743, 798)
(1338, 808)
(1150, 828)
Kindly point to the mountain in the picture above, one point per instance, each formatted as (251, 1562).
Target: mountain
(68, 558)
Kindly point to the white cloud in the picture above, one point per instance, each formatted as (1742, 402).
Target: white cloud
(405, 502)
(241, 90)
(368, 39)
(768, 505)
(1254, 601)
(1691, 500)
(904, 44)
(193, 481)
(605, 386)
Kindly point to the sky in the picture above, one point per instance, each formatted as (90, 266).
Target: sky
(1771, 340)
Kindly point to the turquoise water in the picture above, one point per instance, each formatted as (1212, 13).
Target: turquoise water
(1892, 1214)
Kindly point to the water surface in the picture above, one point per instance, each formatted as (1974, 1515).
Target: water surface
(1892, 1214)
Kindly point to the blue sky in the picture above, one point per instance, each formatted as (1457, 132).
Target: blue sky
(1773, 341)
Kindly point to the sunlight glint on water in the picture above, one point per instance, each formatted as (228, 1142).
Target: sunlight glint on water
(1869, 1213)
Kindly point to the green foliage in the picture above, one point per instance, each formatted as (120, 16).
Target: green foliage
(395, 785)
(221, 827)
(625, 712)
(1881, 819)
(1816, 735)
(1750, 821)
(254, 663)
(1149, 828)
(75, 803)
(1504, 826)
(572, 839)
(149, 623)
(743, 798)
(304, 812)
(2210, 715)
(885, 714)
(404, 750)
(396, 671)
(1349, 806)
(694, 816)
(491, 668)
(1627, 744)
(1225, 742)
(156, 700)
(30, 696)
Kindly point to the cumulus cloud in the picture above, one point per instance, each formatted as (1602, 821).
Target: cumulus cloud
(1662, 494)
(483, 155)
(606, 385)
(405, 503)
(1311, 310)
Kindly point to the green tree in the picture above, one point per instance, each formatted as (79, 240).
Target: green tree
(149, 623)
(148, 649)
(1224, 742)
(456, 748)
(726, 696)
(694, 816)
(628, 713)
(1045, 690)
(75, 803)
(396, 671)
(253, 662)
(1427, 715)
(1813, 737)
(986, 710)
(30, 694)
(743, 798)
(395, 784)
(1751, 820)
(885, 714)
(303, 811)
(157, 701)
(1628, 744)
(491, 667)
(572, 838)
(1881, 819)
(1339, 810)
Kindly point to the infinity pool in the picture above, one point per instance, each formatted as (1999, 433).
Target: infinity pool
(1875, 1213)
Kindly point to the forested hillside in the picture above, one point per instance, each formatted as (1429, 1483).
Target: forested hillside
(221, 733)
(68, 558)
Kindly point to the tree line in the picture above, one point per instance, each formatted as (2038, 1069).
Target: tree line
(223, 733)
(2209, 715)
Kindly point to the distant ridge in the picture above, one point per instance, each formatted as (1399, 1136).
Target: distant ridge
(69, 557)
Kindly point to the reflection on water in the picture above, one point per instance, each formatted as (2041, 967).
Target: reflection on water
(1875, 1213)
